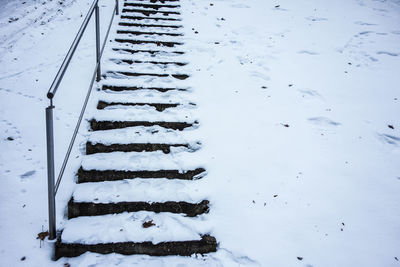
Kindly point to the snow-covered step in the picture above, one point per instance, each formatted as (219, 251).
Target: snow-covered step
(149, 54)
(142, 134)
(143, 35)
(150, 12)
(140, 139)
(146, 96)
(144, 81)
(162, 21)
(142, 32)
(149, 190)
(162, 7)
(147, 43)
(135, 233)
(157, 195)
(148, 62)
(149, 26)
(148, 66)
(149, 19)
(145, 113)
(139, 161)
(128, 74)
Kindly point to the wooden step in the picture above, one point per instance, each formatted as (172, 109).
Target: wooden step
(158, 106)
(153, 6)
(134, 88)
(128, 24)
(149, 18)
(76, 209)
(148, 12)
(137, 74)
(107, 125)
(140, 42)
(85, 176)
(92, 148)
(207, 244)
(130, 62)
(138, 33)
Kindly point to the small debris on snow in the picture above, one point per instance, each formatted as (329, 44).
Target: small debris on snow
(42, 235)
(300, 258)
(391, 126)
(10, 138)
(275, 195)
(148, 224)
(23, 258)
(286, 125)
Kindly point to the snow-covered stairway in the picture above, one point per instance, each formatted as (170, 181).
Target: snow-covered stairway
(134, 192)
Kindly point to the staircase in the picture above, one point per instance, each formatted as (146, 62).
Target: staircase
(134, 192)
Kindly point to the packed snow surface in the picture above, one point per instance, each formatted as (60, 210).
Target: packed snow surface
(298, 105)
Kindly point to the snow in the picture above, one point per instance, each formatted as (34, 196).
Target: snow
(141, 134)
(157, 190)
(127, 227)
(294, 101)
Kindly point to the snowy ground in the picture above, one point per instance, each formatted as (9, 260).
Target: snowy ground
(298, 104)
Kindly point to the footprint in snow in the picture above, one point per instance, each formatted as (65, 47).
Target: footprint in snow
(389, 139)
(362, 23)
(307, 93)
(312, 18)
(387, 53)
(324, 121)
(308, 52)
(27, 174)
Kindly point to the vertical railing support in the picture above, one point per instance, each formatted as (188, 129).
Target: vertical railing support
(97, 15)
(50, 171)
(116, 7)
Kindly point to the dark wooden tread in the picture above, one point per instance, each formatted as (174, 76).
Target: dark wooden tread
(129, 24)
(139, 42)
(207, 244)
(76, 209)
(136, 74)
(134, 88)
(153, 6)
(149, 12)
(129, 61)
(152, 52)
(86, 176)
(152, 18)
(159, 106)
(148, 33)
(134, 147)
(108, 125)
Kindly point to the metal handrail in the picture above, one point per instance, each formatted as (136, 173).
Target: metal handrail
(53, 188)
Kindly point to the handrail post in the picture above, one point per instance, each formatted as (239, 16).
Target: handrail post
(50, 171)
(116, 7)
(97, 14)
